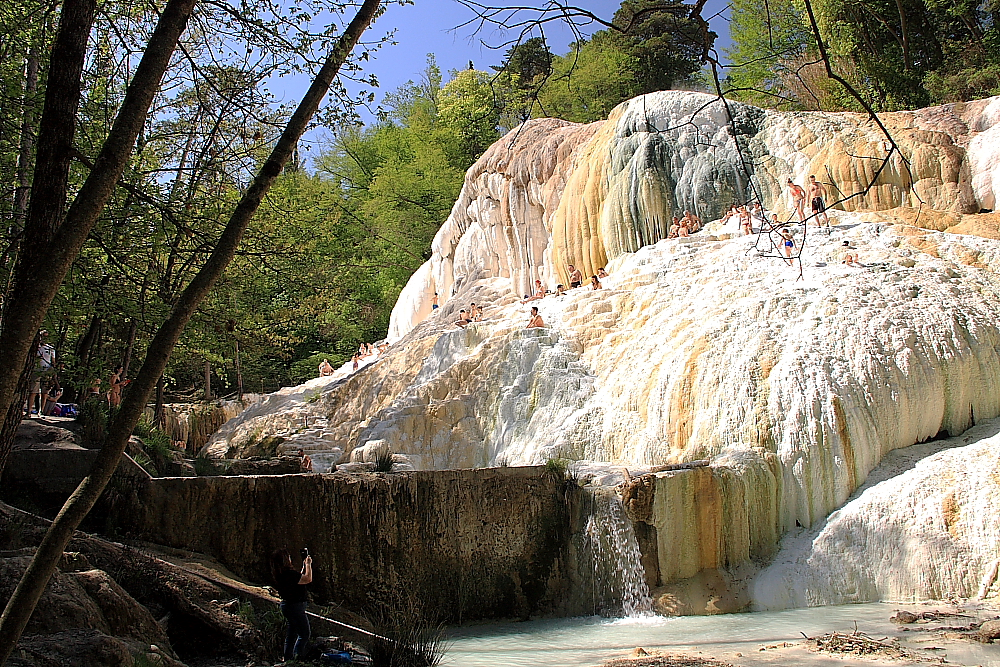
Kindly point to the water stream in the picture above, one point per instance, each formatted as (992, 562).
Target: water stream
(611, 554)
(585, 642)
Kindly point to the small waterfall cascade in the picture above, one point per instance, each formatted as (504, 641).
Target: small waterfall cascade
(609, 544)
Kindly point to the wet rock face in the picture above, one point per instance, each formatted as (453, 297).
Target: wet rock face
(459, 545)
(553, 193)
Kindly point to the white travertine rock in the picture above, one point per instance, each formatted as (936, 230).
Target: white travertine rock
(698, 348)
(553, 193)
(923, 528)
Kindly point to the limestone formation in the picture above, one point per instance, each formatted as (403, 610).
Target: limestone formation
(924, 527)
(552, 193)
(708, 347)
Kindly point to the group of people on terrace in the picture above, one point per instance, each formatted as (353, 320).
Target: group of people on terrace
(365, 351)
(684, 226)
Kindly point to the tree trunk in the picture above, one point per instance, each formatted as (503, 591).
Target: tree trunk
(50, 247)
(25, 150)
(239, 372)
(133, 329)
(208, 380)
(34, 580)
(158, 410)
(19, 322)
(86, 344)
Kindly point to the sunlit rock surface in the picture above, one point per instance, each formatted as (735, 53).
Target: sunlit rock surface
(552, 193)
(710, 347)
(923, 527)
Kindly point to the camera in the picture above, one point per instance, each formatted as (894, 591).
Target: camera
(305, 553)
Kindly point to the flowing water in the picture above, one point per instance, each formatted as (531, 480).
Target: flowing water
(584, 642)
(611, 554)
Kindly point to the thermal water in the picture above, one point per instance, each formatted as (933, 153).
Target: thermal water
(611, 555)
(586, 642)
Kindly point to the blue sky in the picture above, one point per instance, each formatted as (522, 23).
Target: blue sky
(429, 26)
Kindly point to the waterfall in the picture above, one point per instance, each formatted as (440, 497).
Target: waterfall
(619, 582)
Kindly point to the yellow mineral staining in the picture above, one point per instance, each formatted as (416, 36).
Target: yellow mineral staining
(951, 513)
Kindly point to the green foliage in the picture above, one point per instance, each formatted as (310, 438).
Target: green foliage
(205, 467)
(93, 418)
(590, 81)
(383, 461)
(557, 466)
(527, 61)
(898, 55)
(657, 47)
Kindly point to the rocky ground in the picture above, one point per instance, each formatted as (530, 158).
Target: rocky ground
(932, 636)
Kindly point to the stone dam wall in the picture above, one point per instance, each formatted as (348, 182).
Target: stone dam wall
(458, 545)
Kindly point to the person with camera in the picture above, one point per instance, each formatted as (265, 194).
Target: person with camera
(291, 585)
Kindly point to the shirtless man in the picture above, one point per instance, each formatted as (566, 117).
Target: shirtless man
(575, 277)
(463, 318)
(675, 228)
(693, 222)
(325, 369)
(817, 195)
(798, 199)
(536, 321)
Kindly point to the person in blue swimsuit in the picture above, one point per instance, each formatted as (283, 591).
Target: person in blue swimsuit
(789, 244)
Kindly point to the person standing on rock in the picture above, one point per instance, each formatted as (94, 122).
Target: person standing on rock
(817, 194)
(291, 587)
(116, 384)
(798, 199)
(575, 277)
(788, 243)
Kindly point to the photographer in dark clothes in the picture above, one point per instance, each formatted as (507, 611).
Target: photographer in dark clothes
(291, 587)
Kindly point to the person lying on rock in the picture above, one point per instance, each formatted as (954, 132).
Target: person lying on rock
(539, 293)
(291, 586)
(536, 321)
(463, 318)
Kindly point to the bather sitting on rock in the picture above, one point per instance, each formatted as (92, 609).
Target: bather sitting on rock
(601, 273)
(675, 228)
(463, 318)
(575, 277)
(693, 222)
(539, 293)
(325, 369)
(560, 290)
(536, 321)
(682, 230)
(595, 283)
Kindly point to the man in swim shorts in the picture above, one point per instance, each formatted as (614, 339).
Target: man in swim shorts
(575, 277)
(817, 194)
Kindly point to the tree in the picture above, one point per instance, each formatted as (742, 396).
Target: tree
(63, 235)
(667, 43)
(527, 61)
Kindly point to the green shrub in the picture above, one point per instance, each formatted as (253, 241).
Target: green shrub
(93, 418)
(383, 460)
(557, 466)
(205, 467)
